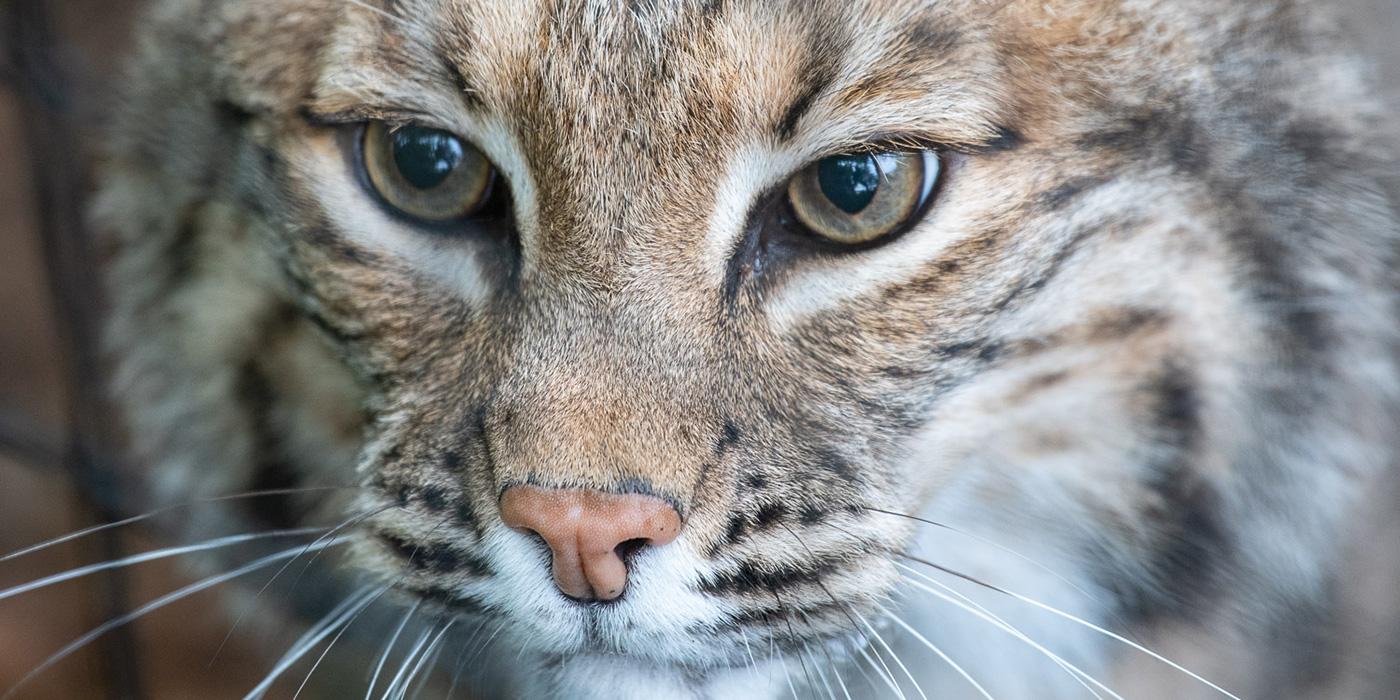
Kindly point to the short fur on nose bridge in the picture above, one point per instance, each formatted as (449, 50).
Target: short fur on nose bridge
(585, 530)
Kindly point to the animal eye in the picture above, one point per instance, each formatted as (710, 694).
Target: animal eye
(859, 198)
(426, 174)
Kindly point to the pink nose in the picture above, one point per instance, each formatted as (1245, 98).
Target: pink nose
(589, 533)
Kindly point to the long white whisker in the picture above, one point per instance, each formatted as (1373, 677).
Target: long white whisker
(872, 656)
(996, 621)
(153, 556)
(889, 675)
(946, 659)
(826, 683)
(389, 648)
(423, 658)
(159, 511)
(991, 543)
(156, 605)
(1085, 623)
(324, 652)
(348, 522)
(787, 675)
(893, 655)
(458, 665)
(753, 664)
(308, 640)
(845, 692)
(407, 662)
(1124, 640)
(486, 643)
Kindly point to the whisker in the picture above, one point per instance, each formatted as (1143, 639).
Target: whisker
(486, 643)
(155, 605)
(308, 641)
(349, 522)
(352, 522)
(793, 634)
(161, 511)
(787, 675)
(826, 683)
(1089, 625)
(389, 648)
(461, 661)
(407, 661)
(153, 555)
(888, 678)
(991, 543)
(892, 653)
(835, 671)
(996, 621)
(317, 664)
(1119, 638)
(946, 659)
(422, 660)
(753, 664)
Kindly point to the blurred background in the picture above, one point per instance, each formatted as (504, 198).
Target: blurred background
(51, 110)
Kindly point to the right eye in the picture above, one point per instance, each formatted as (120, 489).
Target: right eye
(426, 174)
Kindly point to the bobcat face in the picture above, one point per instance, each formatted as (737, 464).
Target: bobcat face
(638, 315)
(738, 287)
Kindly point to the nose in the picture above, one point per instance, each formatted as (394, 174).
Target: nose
(590, 533)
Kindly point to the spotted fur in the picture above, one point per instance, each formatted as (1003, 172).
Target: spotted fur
(1146, 335)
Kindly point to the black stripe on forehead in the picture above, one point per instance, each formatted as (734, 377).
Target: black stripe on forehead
(827, 43)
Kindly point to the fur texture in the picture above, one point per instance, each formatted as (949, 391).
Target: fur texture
(1146, 336)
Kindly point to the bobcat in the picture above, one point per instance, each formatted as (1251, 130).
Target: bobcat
(768, 348)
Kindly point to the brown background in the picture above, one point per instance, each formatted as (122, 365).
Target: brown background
(172, 648)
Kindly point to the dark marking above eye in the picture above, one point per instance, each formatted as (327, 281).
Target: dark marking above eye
(1006, 139)
(787, 124)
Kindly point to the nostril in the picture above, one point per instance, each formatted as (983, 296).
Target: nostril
(627, 548)
(591, 535)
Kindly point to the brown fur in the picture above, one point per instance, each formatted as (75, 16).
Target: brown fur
(1150, 317)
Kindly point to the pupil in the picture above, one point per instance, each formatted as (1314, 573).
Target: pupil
(425, 157)
(849, 181)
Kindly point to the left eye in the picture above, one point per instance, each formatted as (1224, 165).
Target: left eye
(860, 198)
(427, 174)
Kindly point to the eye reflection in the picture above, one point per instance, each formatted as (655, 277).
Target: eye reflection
(857, 198)
(426, 174)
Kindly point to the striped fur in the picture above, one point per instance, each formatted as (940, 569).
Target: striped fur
(1146, 335)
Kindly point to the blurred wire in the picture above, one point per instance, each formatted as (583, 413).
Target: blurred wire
(60, 190)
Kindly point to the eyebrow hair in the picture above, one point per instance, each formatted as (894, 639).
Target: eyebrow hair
(470, 94)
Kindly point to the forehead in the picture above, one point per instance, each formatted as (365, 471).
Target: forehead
(833, 73)
(628, 126)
